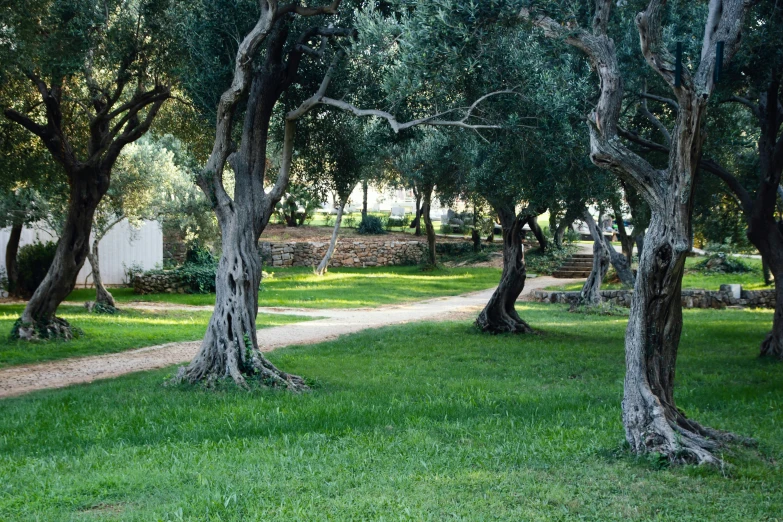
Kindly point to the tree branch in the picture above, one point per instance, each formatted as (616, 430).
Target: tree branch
(301, 10)
(754, 108)
(668, 101)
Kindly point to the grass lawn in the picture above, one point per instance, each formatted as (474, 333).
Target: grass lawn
(112, 333)
(339, 288)
(700, 280)
(428, 421)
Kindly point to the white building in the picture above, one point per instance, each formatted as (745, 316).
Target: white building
(122, 247)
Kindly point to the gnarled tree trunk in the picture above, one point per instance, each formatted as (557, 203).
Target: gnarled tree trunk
(11, 251)
(543, 243)
(324, 264)
(620, 264)
(38, 320)
(590, 294)
(500, 315)
(426, 193)
(570, 216)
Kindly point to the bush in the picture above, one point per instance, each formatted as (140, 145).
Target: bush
(199, 255)
(131, 272)
(371, 225)
(33, 261)
(723, 264)
(350, 221)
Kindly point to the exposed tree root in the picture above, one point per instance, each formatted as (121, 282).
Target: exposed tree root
(255, 368)
(668, 432)
(503, 321)
(57, 328)
(772, 346)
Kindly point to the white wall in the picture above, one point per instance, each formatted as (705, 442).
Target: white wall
(123, 244)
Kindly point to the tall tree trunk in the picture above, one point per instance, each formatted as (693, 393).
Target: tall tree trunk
(365, 190)
(38, 320)
(572, 212)
(532, 222)
(767, 236)
(591, 291)
(500, 315)
(324, 264)
(626, 240)
(11, 251)
(425, 212)
(417, 220)
(102, 295)
(230, 345)
(475, 235)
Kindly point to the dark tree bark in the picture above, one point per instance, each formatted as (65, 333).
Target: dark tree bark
(543, 243)
(11, 252)
(365, 190)
(500, 315)
(652, 421)
(324, 264)
(102, 295)
(475, 235)
(626, 240)
(426, 196)
(590, 294)
(416, 223)
(112, 126)
(572, 212)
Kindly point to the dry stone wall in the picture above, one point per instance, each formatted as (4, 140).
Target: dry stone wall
(348, 253)
(726, 296)
(159, 282)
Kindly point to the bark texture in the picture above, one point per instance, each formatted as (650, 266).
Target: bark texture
(102, 295)
(11, 252)
(500, 314)
(324, 264)
(37, 321)
(651, 419)
(426, 196)
(543, 243)
(590, 295)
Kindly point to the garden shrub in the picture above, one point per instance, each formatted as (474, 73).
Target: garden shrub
(33, 261)
(371, 225)
(721, 263)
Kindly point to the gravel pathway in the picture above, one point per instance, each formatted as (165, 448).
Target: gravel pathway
(18, 380)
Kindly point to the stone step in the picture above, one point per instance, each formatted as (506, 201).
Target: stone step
(571, 274)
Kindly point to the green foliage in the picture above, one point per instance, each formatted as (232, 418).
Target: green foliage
(350, 221)
(438, 421)
(538, 262)
(720, 263)
(100, 308)
(33, 261)
(199, 255)
(130, 272)
(3, 278)
(371, 225)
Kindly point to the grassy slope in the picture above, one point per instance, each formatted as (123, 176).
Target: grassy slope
(694, 279)
(112, 333)
(428, 421)
(340, 288)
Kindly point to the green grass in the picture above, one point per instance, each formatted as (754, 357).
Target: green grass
(429, 421)
(339, 288)
(694, 279)
(112, 333)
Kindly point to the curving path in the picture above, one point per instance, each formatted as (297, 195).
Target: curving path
(19, 380)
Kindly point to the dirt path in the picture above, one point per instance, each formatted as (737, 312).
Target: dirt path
(56, 374)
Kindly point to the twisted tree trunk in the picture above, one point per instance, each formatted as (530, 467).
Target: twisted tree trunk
(38, 319)
(652, 421)
(543, 243)
(324, 264)
(570, 216)
(500, 315)
(620, 264)
(102, 295)
(416, 224)
(769, 241)
(590, 294)
(426, 191)
(626, 240)
(11, 252)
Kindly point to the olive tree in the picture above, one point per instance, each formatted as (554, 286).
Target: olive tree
(651, 419)
(100, 75)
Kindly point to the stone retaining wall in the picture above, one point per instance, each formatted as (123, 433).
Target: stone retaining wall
(159, 283)
(722, 298)
(349, 252)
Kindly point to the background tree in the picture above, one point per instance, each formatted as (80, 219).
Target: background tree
(100, 73)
